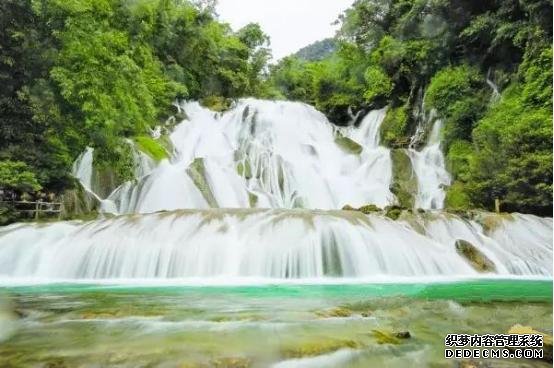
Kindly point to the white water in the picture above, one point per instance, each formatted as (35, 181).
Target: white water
(264, 154)
(429, 168)
(273, 244)
(279, 155)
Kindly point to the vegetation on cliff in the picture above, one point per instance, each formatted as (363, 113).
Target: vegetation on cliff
(484, 67)
(94, 72)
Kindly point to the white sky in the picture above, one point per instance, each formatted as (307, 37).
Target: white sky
(291, 24)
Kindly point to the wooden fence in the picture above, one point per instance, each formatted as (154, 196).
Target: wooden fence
(36, 209)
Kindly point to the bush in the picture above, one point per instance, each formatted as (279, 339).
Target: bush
(458, 95)
(379, 85)
(16, 176)
(457, 198)
(394, 126)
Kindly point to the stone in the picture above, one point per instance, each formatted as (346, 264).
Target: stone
(474, 256)
(231, 362)
(527, 330)
(335, 312)
(348, 145)
(315, 348)
(403, 334)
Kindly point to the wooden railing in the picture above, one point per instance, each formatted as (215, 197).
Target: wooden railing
(36, 209)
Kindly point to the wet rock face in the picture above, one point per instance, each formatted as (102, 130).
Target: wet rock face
(474, 256)
(404, 184)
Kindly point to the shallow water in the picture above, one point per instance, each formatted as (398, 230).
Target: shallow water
(81, 325)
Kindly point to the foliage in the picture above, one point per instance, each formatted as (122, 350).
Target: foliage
(458, 95)
(93, 73)
(151, 147)
(394, 126)
(16, 175)
(378, 84)
(394, 52)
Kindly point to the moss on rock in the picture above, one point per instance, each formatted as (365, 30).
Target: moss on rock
(315, 348)
(78, 203)
(404, 181)
(334, 313)
(152, 147)
(216, 103)
(197, 173)
(474, 256)
(244, 169)
(348, 145)
(369, 208)
(393, 212)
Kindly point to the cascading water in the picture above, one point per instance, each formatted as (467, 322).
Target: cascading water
(83, 170)
(226, 174)
(429, 168)
(265, 154)
(277, 244)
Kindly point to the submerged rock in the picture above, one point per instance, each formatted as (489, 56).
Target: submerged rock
(476, 258)
(318, 348)
(385, 337)
(403, 334)
(231, 362)
(335, 312)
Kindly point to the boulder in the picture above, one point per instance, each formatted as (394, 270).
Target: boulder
(547, 339)
(474, 256)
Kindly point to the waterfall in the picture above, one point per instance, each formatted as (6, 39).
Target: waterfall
(271, 244)
(82, 168)
(429, 168)
(265, 154)
(254, 193)
(495, 96)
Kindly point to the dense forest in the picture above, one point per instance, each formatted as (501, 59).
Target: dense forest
(449, 56)
(83, 73)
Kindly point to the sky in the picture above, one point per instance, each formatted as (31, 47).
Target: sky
(291, 24)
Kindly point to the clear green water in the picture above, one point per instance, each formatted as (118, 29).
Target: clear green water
(261, 326)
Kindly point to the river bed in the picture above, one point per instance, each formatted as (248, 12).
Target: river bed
(86, 325)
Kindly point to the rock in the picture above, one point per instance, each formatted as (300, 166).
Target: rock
(231, 362)
(78, 203)
(369, 208)
(403, 334)
(197, 172)
(404, 181)
(348, 207)
(244, 169)
(335, 312)
(348, 145)
(318, 348)
(366, 209)
(476, 258)
(385, 337)
(393, 212)
(547, 339)
(366, 314)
